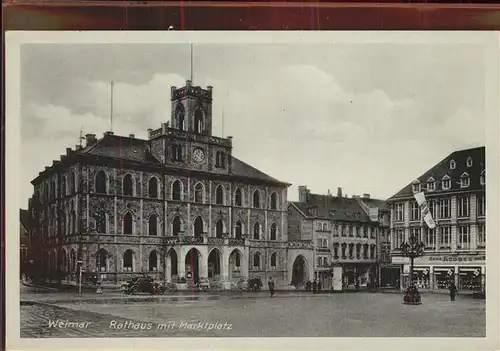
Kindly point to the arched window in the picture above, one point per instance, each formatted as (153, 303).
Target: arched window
(63, 223)
(64, 189)
(198, 121)
(238, 197)
(179, 115)
(274, 259)
(256, 260)
(72, 220)
(274, 201)
(220, 159)
(198, 226)
(53, 189)
(238, 230)
(127, 186)
(127, 223)
(256, 199)
(256, 231)
(100, 221)
(102, 261)
(101, 181)
(219, 195)
(73, 182)
(218, 229)
(153, 261)
(153, 188)
(198, 193)
(176, 190)
(128, 261)
(176, 226)
(153, 225)
(273, 231)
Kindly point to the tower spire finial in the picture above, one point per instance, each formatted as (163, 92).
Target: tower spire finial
(191, 68)
(111, 107)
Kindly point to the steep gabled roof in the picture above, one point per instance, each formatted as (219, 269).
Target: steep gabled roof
(242, 169)
(332, 208)
(24, 218)
(442, 169)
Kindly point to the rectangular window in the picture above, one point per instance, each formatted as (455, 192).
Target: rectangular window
(433, 209)
(399, 235)
(463, 237)
(416, 232)
(319, 261)
(400, 210)
(318, 242)
(445, 208)
(481, 236)
(431, 186)
(176, 152)
(463, 208)
(444, 237)
(343, 230)
(430, 238)
(481, 206)
(350, 230)
(335, 230)
(372, 232)
(336, 251)
(414, 211)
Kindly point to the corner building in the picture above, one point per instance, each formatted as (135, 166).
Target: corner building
(177, 206)
(455, 190)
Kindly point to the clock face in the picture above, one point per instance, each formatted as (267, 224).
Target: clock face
(198, 155)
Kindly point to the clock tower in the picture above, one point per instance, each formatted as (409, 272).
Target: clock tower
(192, 109)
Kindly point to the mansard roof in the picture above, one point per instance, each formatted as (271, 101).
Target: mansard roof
(138, 151)
(332, 208)
(443, 169)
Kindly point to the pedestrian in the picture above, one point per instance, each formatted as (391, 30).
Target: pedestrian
(270, 283)
(315, 286)
(318, 286)
(453, 290)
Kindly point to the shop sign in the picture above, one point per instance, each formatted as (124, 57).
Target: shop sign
(457, 258)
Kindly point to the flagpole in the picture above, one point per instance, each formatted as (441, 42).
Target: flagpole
(223, 123)
(191, 68)
(111, 107)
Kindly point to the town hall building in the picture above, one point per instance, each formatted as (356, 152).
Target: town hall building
(177, 206)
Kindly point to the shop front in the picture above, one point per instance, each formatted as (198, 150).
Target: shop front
(469, 279)
(390, 276)
(358, 276)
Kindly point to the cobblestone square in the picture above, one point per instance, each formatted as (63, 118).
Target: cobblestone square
(258, 315)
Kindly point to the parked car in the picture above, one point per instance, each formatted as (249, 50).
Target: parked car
(255, 284)
(143, 284)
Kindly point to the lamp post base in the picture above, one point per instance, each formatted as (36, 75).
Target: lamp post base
(412, 296)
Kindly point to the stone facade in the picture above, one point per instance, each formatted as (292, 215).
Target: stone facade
(177, 206)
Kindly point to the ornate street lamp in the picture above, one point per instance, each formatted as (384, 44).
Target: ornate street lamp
(100, 218)
(412, 249)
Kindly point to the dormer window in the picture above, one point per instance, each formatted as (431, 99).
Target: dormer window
(431, 184)
(313, 211)
(464, 180)
(446, 183)
(482, 178)
(416, 186)
(469, 161)
(453, 164)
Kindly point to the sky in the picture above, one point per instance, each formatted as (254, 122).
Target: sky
(369, 118)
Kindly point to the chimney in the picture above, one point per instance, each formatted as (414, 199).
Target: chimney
(131, 136)
(329, 192)
(339, 192)
(78, 147)
(108, 133)
(303, 191)
(90, 139)
(68, 151)
(366, 196)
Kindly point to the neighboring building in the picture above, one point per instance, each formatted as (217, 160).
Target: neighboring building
(178, 205)
(23, 240)
(378, 211)
(343, 236)
(456, 248)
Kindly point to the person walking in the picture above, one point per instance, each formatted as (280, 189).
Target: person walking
(270, 283)
(453, 290)
(315, 285)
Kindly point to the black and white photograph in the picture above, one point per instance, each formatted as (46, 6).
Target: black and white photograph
(252, 185)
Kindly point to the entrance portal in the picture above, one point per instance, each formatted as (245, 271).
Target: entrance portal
(193, 266)
(214, 263)
(299, 271)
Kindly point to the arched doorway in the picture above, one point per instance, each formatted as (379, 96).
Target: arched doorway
(235, 262)
(171, 265)
(214, 264)
(299, 271)
(193, 265)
